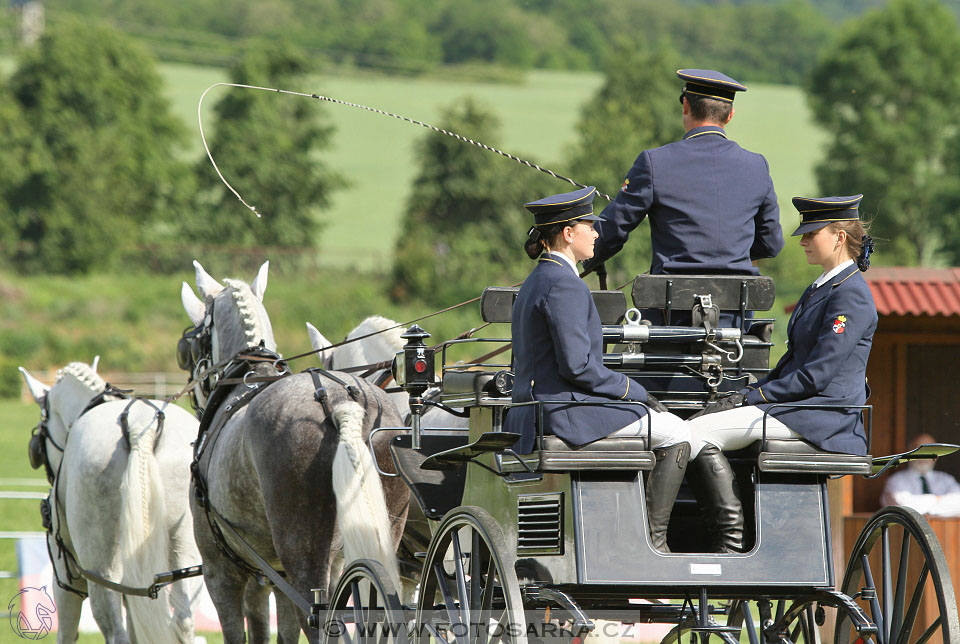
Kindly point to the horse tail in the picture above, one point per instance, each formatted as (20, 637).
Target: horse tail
(143, 540)
(361, 508)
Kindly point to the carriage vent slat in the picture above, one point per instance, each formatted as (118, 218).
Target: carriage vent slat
(540, 524)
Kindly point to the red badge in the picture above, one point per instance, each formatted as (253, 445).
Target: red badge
(626, 182)
(840, 324)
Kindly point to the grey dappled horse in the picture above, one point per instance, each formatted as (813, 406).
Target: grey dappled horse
(295, 483)
(379, 341)
(119, 505)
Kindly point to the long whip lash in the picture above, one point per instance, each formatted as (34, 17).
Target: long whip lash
(318, 97)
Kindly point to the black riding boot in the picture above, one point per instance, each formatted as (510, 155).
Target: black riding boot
(663, 483)
(712, 480)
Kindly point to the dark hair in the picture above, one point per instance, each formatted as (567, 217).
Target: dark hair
(859, 243)
(713, 110)
(549, 234)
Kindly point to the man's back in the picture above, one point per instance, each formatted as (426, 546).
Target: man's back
(711, 204)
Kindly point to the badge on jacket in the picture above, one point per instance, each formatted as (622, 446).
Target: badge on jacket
(626, 182)
(840, 324)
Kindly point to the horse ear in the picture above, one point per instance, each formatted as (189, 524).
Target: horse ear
(319, 342)
(207, 286)
(260, 283)
(37, 389)
(195, 308)
(96, 361)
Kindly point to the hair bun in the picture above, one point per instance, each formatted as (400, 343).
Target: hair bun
(863, 261)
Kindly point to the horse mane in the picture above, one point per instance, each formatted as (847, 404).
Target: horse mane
(382, 346)
(253, 325)
(85, 375)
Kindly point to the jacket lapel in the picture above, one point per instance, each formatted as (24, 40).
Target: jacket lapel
(810, 300)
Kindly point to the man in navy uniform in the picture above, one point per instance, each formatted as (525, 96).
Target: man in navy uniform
(711, 204)
(558, 356)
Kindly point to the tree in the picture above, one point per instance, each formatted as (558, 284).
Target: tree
(887, 93)
(635, 109)
(464, 225)
(267, 146)
(98, 172)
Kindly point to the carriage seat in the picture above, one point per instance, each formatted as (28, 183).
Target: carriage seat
(619, 453)
(796, 456)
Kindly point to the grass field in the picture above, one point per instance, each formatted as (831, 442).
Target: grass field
(538, 116)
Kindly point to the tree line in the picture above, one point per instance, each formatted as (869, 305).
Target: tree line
(773, 41)
(92, 159)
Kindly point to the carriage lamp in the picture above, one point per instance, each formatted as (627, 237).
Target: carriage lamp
(417, 374)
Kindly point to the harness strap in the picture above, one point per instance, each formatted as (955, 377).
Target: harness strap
(320, 395)
(125, 425)
(265, 569)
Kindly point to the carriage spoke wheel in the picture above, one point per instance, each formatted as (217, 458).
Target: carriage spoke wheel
(898, 575)
(791, 622)
(469, 593)
(365, 608)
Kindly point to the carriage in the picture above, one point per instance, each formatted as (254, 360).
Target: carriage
(552, 544)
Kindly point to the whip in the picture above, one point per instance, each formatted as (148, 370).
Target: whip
(329, 99)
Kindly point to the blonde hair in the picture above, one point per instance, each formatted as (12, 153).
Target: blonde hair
(859, 244)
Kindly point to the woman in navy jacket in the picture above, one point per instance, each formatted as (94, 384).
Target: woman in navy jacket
(558, 356)
(829, 334)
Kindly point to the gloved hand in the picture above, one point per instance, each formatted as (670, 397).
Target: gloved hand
(655, 404)
(729, 401)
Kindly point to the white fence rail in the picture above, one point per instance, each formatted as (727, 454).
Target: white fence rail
(151, 384)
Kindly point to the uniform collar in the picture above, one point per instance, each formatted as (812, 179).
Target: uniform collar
(561, 259)
(703, 130)
(826, 277)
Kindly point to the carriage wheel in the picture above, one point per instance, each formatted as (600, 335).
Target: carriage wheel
(897, 573)
(469, 593)
(365, 608)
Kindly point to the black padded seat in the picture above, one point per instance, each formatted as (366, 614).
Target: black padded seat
(793, 455)
(619, 453)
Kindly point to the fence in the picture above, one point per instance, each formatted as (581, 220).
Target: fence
(158, 385)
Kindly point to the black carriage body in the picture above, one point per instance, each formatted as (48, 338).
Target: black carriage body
(589, 528)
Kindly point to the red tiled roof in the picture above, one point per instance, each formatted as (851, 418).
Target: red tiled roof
(915, 291)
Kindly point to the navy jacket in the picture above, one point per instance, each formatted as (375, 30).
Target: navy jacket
(711, 205)
(830, 334)
(558, 355)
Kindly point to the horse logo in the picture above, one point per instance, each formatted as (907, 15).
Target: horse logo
(34, 620)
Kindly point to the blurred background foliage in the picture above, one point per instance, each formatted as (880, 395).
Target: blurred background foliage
(106, 198)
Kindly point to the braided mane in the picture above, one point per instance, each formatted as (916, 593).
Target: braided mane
(84, 374)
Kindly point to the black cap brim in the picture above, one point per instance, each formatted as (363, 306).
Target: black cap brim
(809, 227)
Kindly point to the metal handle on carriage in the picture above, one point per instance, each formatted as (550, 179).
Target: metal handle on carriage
(642, 333)
(702, 361)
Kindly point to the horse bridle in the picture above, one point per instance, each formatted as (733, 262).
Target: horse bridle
(195, 350)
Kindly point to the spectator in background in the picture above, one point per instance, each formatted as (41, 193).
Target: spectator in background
(923, 488)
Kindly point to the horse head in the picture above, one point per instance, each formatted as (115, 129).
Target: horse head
(374, 340)
(229, 319)
(62, 404)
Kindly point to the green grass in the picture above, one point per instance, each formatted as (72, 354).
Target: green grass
(376, 152)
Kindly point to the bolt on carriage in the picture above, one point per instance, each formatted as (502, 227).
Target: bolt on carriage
(532, 547)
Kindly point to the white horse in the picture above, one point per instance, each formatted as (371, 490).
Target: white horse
(281, 474)
(379, 341)
(118, 506)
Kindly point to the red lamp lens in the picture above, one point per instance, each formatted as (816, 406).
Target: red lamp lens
(420, 366)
